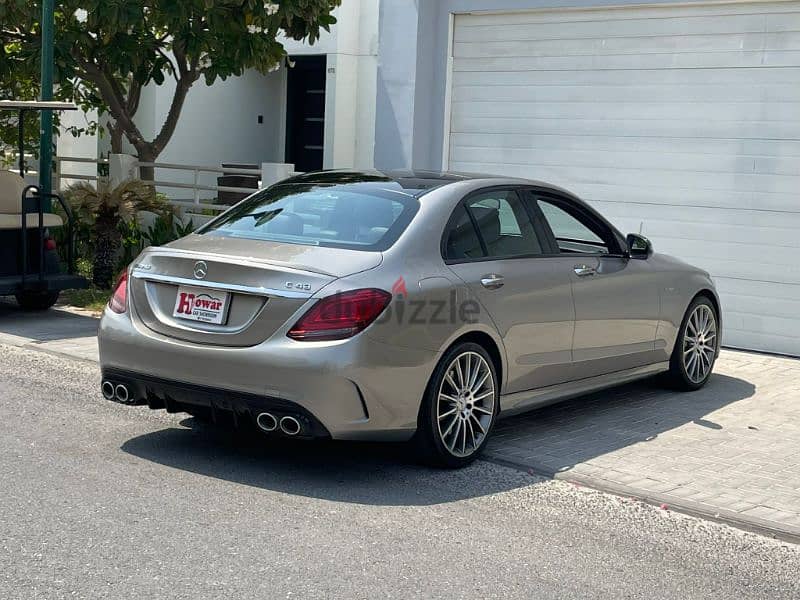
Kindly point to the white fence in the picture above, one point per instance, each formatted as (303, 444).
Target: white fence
(268, 174)
(61, 175)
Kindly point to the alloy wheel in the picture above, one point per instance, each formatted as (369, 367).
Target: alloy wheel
(465, 404)
(699, 343)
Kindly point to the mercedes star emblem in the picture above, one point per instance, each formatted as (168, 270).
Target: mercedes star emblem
(200, 269)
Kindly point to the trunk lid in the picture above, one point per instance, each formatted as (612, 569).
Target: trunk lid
(262, 284)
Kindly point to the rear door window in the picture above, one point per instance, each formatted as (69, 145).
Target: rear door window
(461, 241)
(492, 224)
(504, 225)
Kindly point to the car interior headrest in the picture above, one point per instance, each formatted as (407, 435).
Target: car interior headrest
(488, 220)
(286, 224)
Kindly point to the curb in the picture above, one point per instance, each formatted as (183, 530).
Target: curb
(786, 533)
(45, 346)
(17, 341)
(35, 347)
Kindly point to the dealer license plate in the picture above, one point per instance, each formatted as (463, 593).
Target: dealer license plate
(201, 304)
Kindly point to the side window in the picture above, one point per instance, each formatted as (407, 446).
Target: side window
(504, 225)
(573, 232)
(462, 239)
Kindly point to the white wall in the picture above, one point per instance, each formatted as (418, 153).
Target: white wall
(85, 146)
(219, 123)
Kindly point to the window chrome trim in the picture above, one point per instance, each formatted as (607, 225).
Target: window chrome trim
(228, 287)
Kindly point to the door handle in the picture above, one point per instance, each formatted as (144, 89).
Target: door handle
(584, 270)
(492, 281)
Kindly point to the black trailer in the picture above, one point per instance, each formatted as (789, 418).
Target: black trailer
(30, 268)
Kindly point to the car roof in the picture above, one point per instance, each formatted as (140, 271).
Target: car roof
(412, 182)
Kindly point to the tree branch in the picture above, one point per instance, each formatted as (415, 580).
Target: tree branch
(168, 128)
(184, 66)
(116, 103)
(169, 60)
(134, 95)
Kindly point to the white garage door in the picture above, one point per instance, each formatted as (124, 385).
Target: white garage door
(683, 121)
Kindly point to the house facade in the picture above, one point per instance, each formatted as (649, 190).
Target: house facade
(679, 120)
(317, 111)
(323, 104)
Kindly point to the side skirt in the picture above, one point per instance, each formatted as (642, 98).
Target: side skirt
(518, 402)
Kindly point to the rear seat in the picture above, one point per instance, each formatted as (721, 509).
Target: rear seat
(11, 186)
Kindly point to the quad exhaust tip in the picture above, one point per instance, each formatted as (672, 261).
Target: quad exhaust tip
(267, 422)
(121, 393)
(108, 390)
(290, 426)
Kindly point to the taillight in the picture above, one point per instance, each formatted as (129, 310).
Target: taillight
(50, 244)
(119, 299)
(340, 316)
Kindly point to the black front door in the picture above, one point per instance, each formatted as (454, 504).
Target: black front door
(305, 112)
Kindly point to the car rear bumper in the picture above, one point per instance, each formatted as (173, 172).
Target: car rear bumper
(217, 403)
(356, 389)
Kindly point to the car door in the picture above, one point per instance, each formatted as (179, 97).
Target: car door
(616, 298)
(493, 245)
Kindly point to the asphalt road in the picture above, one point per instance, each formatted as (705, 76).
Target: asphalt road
(99, 500)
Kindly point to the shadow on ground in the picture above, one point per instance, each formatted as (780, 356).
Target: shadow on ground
(387, 474)
(45, 326)
(558, 437)
(362, 473)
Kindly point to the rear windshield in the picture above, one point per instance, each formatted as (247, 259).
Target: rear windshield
(360, 216)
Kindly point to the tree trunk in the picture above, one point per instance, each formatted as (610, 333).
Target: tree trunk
(147, 154)
(106, 246)
(116, 138)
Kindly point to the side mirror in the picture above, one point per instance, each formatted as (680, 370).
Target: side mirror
(639, 246)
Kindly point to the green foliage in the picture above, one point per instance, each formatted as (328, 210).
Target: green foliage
(132, 242)
(184, 229)
(160, 232)
(19, 80)
(106, 51)
(83, 266)
(129, 238)
(82, 234)
(115, 203)
(167, 228)
(18, 89)
(104, 207)
(91, 298)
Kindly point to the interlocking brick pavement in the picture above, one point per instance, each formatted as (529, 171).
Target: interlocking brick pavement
(731, 449)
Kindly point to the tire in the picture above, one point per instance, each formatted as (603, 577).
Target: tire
(693, 372)
(36, 300)
(453, 440)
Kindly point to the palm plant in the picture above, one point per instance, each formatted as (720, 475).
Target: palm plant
(104, 208)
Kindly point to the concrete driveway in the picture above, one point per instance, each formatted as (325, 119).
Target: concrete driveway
(730, 451)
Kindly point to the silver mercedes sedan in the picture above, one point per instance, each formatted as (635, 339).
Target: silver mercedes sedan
(401, 306)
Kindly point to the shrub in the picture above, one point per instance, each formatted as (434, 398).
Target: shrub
(104, 209)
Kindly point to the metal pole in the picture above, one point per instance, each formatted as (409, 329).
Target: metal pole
(46, 140)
